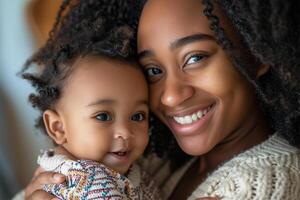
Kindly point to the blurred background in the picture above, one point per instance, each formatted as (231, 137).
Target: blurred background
(24, 27)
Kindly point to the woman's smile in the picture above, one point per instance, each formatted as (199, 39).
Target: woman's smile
(191, 123)
(194, 87)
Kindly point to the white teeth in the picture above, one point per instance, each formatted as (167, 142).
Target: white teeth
(188, 119)
(179, 120)
(199, 114)
(194, 117)
(120, 153)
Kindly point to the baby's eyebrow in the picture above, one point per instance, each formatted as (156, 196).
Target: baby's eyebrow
(111, 101)
(102, 101)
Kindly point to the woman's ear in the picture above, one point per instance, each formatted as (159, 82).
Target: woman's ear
(54, 126)
(263, 68)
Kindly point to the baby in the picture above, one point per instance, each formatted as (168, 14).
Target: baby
(94, 105)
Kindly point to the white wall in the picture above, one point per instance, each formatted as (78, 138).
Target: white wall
(19, 141)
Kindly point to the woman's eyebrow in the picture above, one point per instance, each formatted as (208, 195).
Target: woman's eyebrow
(145, 53)
(179, 43)
(189, 39)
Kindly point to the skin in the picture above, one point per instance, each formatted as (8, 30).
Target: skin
(99, 92)
(113, 121)
(188, 75)
(188, 71)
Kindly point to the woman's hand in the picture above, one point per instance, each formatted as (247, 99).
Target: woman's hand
(34, 190)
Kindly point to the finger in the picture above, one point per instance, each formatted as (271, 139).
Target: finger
(207, 198)
(42, 179)
(38, 171)
(40, 194)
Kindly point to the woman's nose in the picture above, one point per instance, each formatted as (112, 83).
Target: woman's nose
(175, 92)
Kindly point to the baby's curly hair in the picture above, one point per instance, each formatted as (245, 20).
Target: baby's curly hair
(82, 27)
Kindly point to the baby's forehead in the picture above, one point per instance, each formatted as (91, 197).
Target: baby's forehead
(102, 60)
(100, 71)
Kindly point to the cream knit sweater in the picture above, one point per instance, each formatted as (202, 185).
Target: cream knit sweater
(269, 171)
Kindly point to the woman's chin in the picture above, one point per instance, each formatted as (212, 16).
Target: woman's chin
(194, 149)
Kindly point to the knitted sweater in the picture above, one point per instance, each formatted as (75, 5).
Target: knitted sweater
(87, 179)
(269, 171)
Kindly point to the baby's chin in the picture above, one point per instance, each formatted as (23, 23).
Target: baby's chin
(120, 169)
(119, 162)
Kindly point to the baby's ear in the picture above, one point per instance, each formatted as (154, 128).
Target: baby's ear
(263, 68)
(54, 126)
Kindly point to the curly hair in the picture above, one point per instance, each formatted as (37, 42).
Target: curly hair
(269, 31)
(82, 27)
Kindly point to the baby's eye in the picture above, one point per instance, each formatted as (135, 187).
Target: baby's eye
(103, 117)
(152, 71)
(194, 59)
(138, 117)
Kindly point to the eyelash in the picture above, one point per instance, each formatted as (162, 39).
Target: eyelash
(202, 56)
(101, 114)
(147, 70)
(140, 114)
(108, 117)
(151, 78)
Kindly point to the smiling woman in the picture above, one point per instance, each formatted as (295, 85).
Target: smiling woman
(213, 93)
(195, 89)
(224, 96)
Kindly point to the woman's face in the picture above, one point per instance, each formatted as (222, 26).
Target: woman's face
(194, 87)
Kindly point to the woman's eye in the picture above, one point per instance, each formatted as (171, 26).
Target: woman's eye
(138, 117)
(103, 117)
(194, 59)
(153, 71)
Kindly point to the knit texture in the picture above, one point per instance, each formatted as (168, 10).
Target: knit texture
(87, 179)
(269, 171)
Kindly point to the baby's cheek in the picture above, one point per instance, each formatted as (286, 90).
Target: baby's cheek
(95, 148)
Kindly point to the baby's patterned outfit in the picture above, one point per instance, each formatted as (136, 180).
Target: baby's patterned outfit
(86, 179)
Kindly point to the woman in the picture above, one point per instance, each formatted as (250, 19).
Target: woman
(226, 93)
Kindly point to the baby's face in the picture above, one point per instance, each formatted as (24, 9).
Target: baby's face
(104, 108)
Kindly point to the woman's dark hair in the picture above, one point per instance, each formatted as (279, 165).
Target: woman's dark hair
(82, 27)
(270, 32)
